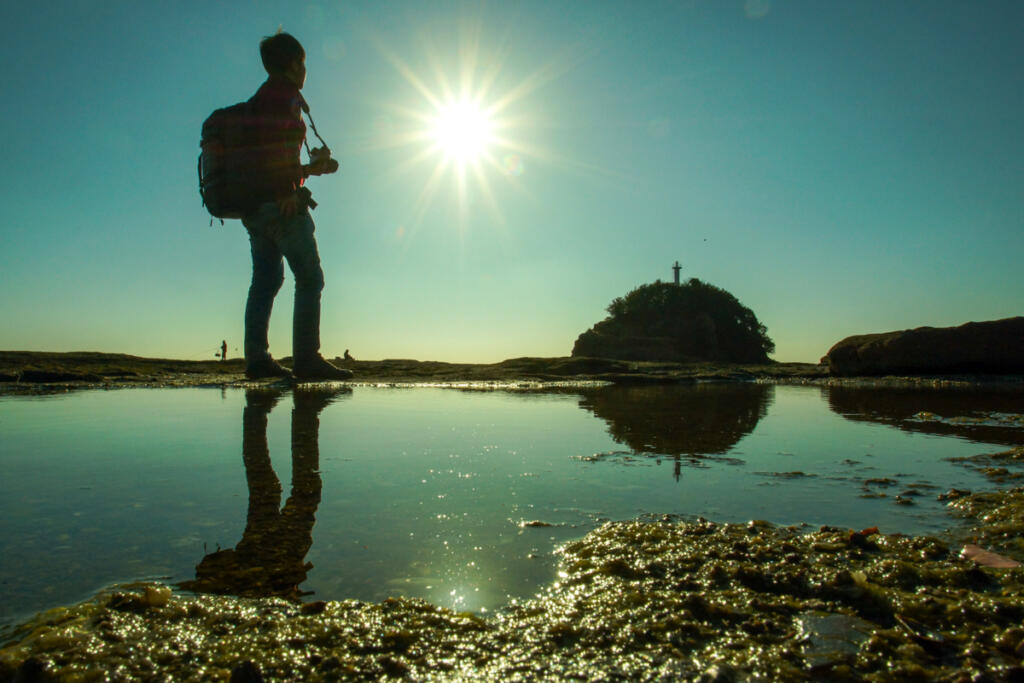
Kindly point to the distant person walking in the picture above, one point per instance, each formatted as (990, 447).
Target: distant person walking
(224, 350)
(279, 224)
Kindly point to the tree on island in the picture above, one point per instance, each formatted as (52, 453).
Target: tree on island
(693, 321)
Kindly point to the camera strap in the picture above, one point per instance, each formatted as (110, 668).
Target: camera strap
(305, 108)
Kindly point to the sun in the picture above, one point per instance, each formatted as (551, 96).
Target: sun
(467, 123)
(462, 131)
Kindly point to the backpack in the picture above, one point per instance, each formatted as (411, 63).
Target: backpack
(230, 159)
(229, 154)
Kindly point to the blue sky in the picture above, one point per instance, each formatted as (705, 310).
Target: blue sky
(841, 168)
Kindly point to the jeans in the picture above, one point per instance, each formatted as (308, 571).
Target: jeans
(273, 236)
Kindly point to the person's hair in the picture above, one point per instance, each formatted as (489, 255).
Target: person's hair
(279, 51)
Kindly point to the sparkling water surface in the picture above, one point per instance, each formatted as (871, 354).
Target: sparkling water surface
(460, 497)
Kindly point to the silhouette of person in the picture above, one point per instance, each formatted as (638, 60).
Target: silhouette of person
(348, 356)
(224, 350)
(269, 560)
(278, 222)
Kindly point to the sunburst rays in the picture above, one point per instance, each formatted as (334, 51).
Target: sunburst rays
(459, 124)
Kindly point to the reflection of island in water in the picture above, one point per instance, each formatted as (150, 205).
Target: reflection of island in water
(270, 558)
(691, 423)
(988, 414)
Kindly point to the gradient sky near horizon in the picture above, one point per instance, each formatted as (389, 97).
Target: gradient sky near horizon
(840, 167)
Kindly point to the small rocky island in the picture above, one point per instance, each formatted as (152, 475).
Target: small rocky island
(690, 322)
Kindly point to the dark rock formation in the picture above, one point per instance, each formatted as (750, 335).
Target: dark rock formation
(694, 321)
(996, 346)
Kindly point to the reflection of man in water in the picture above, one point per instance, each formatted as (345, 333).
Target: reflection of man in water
(270, 558)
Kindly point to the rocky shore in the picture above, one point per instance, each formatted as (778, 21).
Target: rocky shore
(992, 346)
(30, 370)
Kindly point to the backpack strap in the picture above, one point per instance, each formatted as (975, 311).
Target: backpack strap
(202, 188)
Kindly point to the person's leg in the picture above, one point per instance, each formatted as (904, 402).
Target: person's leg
(298, 245)
(267, 277)
(264, 486)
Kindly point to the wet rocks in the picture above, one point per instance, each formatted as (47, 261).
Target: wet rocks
(829, 639)
(953, 494)
(996, 466)
(998, 516)
(995, 346)
(659, 600)
(246, 672)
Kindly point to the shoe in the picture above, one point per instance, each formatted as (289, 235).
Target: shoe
(318, 369)
(265, 368)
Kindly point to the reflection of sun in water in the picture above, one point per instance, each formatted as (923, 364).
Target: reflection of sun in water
(462, 131)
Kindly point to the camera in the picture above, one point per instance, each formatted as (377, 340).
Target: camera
(320, 161)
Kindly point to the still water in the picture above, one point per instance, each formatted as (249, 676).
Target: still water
(459, 497)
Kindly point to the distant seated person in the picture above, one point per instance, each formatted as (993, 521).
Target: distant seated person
(348, 356)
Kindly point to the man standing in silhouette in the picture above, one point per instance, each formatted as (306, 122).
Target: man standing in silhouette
(279, 225)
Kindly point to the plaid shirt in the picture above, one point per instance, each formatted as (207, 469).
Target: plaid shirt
(277, 109)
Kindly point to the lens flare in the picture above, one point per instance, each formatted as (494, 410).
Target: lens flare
(513, 164)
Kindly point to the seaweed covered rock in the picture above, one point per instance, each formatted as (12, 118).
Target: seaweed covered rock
(671, 601)
(995, 346)
(637, 601)
(694, 321)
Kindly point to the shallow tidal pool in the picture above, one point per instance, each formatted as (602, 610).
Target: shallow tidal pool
(456, 496)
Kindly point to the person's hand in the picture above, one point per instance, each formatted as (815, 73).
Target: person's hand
(289, 206)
